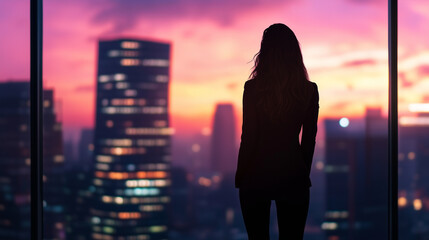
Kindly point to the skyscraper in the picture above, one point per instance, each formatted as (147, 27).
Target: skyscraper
(413, 168)
(356, 177)
(53, 170)
(85, 148)
(376, 175)
(131, 141)
(15, 164)
(224, 146)
(14, 161)
(344, 157)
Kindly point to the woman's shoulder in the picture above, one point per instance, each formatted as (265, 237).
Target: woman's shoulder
(312, 89)
(312, 85)
(249, 84)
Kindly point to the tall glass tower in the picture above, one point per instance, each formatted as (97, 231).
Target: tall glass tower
(15, 164)
(130, 189)
(224, 151)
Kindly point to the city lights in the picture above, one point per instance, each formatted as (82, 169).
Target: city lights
(329, 226)
(155, 63)
(417, 203)
(419, 107)
(414, 121)
(402, 201)
(130, 44)
(131, 175)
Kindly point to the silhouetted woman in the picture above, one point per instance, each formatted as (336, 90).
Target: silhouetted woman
(272, 163)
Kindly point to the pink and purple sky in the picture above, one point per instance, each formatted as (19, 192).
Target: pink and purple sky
(344, 43)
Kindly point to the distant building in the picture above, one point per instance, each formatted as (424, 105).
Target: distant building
(413, 173)
(78, 198)
(70, 157)
(223, 155)
(200, 153)
(356, 177)
(131, 141)
(78, 182)
(181, 205)
(376, 175)
(86, 148)
(15, 164)
(344, 164)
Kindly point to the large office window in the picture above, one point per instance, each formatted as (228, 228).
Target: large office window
(149, 104)
(142, 116)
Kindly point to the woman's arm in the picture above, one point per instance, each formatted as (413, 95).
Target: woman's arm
(249, 134)
(309, 129)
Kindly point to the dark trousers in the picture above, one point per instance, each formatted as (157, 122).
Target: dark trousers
(292, 212)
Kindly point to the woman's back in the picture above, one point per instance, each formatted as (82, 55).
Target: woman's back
(271, 156)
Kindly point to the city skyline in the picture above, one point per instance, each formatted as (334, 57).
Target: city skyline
(347, 59)
(369, 132)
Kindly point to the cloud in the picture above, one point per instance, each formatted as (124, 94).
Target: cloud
(359, 62)
(425, 98)
(339, 106)
(416, 75)
(423, 70)
(404, 80)
(232, 86)
(126, 14)
(84, 88)
(368, 1)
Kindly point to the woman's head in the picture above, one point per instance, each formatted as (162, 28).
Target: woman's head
(279, 67)
(279, 44)
(280, 54)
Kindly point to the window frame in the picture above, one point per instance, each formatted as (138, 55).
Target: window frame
(392, 214)
(36, 119)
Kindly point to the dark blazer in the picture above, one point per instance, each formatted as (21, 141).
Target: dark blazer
(270, 155)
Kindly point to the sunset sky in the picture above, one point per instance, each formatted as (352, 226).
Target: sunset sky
(344, 43)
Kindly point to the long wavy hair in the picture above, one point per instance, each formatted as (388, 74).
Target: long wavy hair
(279, 71)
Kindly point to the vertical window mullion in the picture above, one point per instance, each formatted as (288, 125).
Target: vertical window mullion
(393, 122)
(36, 118)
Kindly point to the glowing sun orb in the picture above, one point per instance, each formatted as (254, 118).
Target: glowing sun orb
(344, 122)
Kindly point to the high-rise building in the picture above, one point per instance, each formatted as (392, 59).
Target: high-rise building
(15, 164)
(78, 181)
(344, 155)
(53, 171)
(131, 141)
(14, 161)
(223, 155)
(356, 177)
(85, 148)
(413, 177)
(376, 175)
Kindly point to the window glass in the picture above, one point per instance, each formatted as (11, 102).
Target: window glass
(144, 116)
